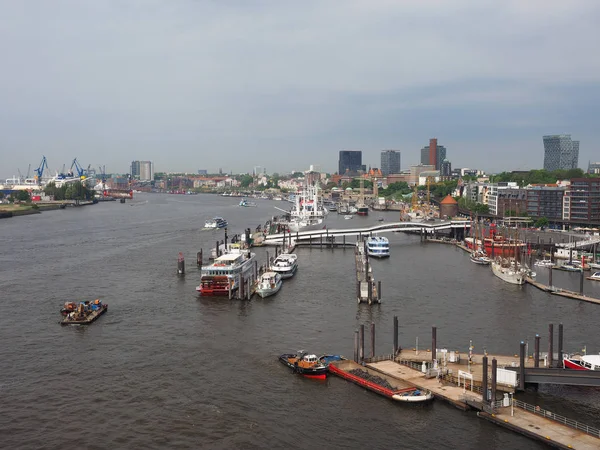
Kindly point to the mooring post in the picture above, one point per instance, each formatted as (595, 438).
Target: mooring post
(550, 344)
(560, 345)
(358, 291)
(379, 290)
(199, 258)
(395, 335)
(484, 379)
(356, 346)
(550, 276)
(369, 290)
(241, 288)
(570, 256)
(321, 241)
(581, 281)
(372, 339)
(521, 367)
(249, 290)
(344, 240)
(536, 351)
(494, 378)
(361, 343)
(217, 250)
(433, 343)
(255, 269)
(180, 264)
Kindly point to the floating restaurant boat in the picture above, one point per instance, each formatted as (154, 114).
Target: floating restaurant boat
(268, 284)
(378, 247)
(217, 222)
(285, 265)
(223, 275)
(378, 382)
(83, 313)
(585, 362)
(305, 364)
(479, 257)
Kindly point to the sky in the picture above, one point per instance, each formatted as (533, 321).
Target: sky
(209, 84)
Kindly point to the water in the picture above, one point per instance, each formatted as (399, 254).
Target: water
(167, 369)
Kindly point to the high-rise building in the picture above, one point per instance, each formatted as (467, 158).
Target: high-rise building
(446, 169)
(560, 152)
(433, 154)
(350, 161)
(142, 170)
(390, 162)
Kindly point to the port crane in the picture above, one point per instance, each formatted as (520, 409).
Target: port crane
(40, 170)
(80, 170)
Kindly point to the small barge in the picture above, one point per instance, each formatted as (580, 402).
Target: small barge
(84, 314)
(378, 382)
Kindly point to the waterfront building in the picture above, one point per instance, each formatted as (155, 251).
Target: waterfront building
(415, 172)
(448, 207)
(432, 175)
(433, 154)
(350, 161)
(545, 201)
(593, 167)
(560, 152)
(390, 162)
(142, 170)
(581, 202)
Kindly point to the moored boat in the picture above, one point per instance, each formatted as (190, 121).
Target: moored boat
(285, 265)
(224, 274)
(378, 247)
(479, 257)
(379, 383)
(585, 362)
(509, 270)
(216, 222)
(268, 284)
(594, 277)
(84, 312)
(307, 365)
(246, 203)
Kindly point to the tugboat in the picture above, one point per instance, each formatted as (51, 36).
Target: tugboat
(307, 365)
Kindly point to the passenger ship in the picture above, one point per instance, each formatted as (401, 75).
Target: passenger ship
(378, 247)
(223, 275)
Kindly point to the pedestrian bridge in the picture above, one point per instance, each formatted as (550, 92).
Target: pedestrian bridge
(331, 234)
(545, 375)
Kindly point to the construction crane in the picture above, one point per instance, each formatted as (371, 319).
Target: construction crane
(40, 170)
(103, 173)
(80, 170)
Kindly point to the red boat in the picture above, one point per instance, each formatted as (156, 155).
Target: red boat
(502, 246)
(586, 362)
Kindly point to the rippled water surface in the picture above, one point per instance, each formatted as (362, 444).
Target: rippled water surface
(167, 369)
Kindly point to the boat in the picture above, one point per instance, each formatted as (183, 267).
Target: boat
(594, 277)
(509, 270)
(379, 383)
(543, 263)
(380, 219)
(83, 313)
(361, 207)
(246, 203)
(308, 212)
(268, 284)
(378, 247)
(569, 267)
(216, 222)
(285, 265)
(225, 273)
(585, 362)
(328, 359)
(305, 364)
(479, 257)
(348, 216)
(495, 245)
(594, 265)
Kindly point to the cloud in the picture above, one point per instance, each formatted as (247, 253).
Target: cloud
(251, 81)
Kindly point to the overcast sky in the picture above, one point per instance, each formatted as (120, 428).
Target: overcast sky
(199, 84)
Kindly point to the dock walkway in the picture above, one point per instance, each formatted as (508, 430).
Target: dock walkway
(366, 288)
(562, 292)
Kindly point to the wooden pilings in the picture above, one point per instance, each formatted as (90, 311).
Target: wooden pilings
(356, 346)
(396, 348)
(180, 264)
(521, 367)
(581, 281)
(361, 343)
(372, 339)
(536, 351)
(484, 379)
(433, 343)
(560, 345)
(494, 378)
(550, 344)
(199, 258)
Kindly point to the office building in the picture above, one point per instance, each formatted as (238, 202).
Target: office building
(446, 169)
(593, 167)
(433, 154)
(390, 162)
(560, 152)
(581, 203)
(142, 170)
(545, 201)
(350, 161)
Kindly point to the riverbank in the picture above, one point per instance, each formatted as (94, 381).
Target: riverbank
(11, 210)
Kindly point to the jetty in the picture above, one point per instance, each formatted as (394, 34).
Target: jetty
(366, 289)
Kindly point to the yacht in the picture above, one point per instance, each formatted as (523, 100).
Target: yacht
(285, 265)
(585, 362)
(510, 271)
(378, 247)
(225, 273)
(217, 222)
(268, 284)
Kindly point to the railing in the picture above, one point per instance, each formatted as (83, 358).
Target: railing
(375, 359)
(557, 418)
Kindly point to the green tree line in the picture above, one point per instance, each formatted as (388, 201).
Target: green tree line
(70, 191)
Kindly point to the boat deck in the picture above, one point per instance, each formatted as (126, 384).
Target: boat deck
(91, 317)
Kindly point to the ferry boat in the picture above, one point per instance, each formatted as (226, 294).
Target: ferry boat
(378, 247)
(285, 265)
(307, 365)
(509, 270)
(268, 284)
(594, 277)
(223, 275)
(245, 203)
(585, 362)
(362, 209)
(217, 222)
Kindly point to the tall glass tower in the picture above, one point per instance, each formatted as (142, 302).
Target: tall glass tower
(390, 162)
(560, 152)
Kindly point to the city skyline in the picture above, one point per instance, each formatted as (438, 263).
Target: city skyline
(204, 84)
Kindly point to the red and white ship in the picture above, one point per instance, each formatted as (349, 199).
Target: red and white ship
(502, 247)
(585, 362)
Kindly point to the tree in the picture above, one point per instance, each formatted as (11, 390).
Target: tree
(246, 181)
(23, 196)
(542, 222)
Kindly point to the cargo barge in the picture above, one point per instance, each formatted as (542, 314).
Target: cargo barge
(378, 382)
(84, 314)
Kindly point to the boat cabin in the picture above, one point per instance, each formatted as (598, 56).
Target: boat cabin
(591, 362)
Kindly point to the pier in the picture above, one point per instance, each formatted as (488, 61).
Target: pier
(366, 289)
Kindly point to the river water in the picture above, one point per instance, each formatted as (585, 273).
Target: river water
(165, 368)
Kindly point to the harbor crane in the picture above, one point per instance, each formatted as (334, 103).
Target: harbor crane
(80, 170)
(40, 170)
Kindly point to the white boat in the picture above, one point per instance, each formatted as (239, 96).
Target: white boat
(308, 212)
(246, 203)
(570, 267)
(585, 362)
(378, 247)
(594, 277)
(480, 257)
(268, 284)
(594, 265)
(348, 216)
(225, 273)
(543, 263)
(414, 396)
(509, 271)
(285, 265)
(217, 222)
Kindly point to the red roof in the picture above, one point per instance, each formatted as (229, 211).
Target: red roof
(448, 201)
